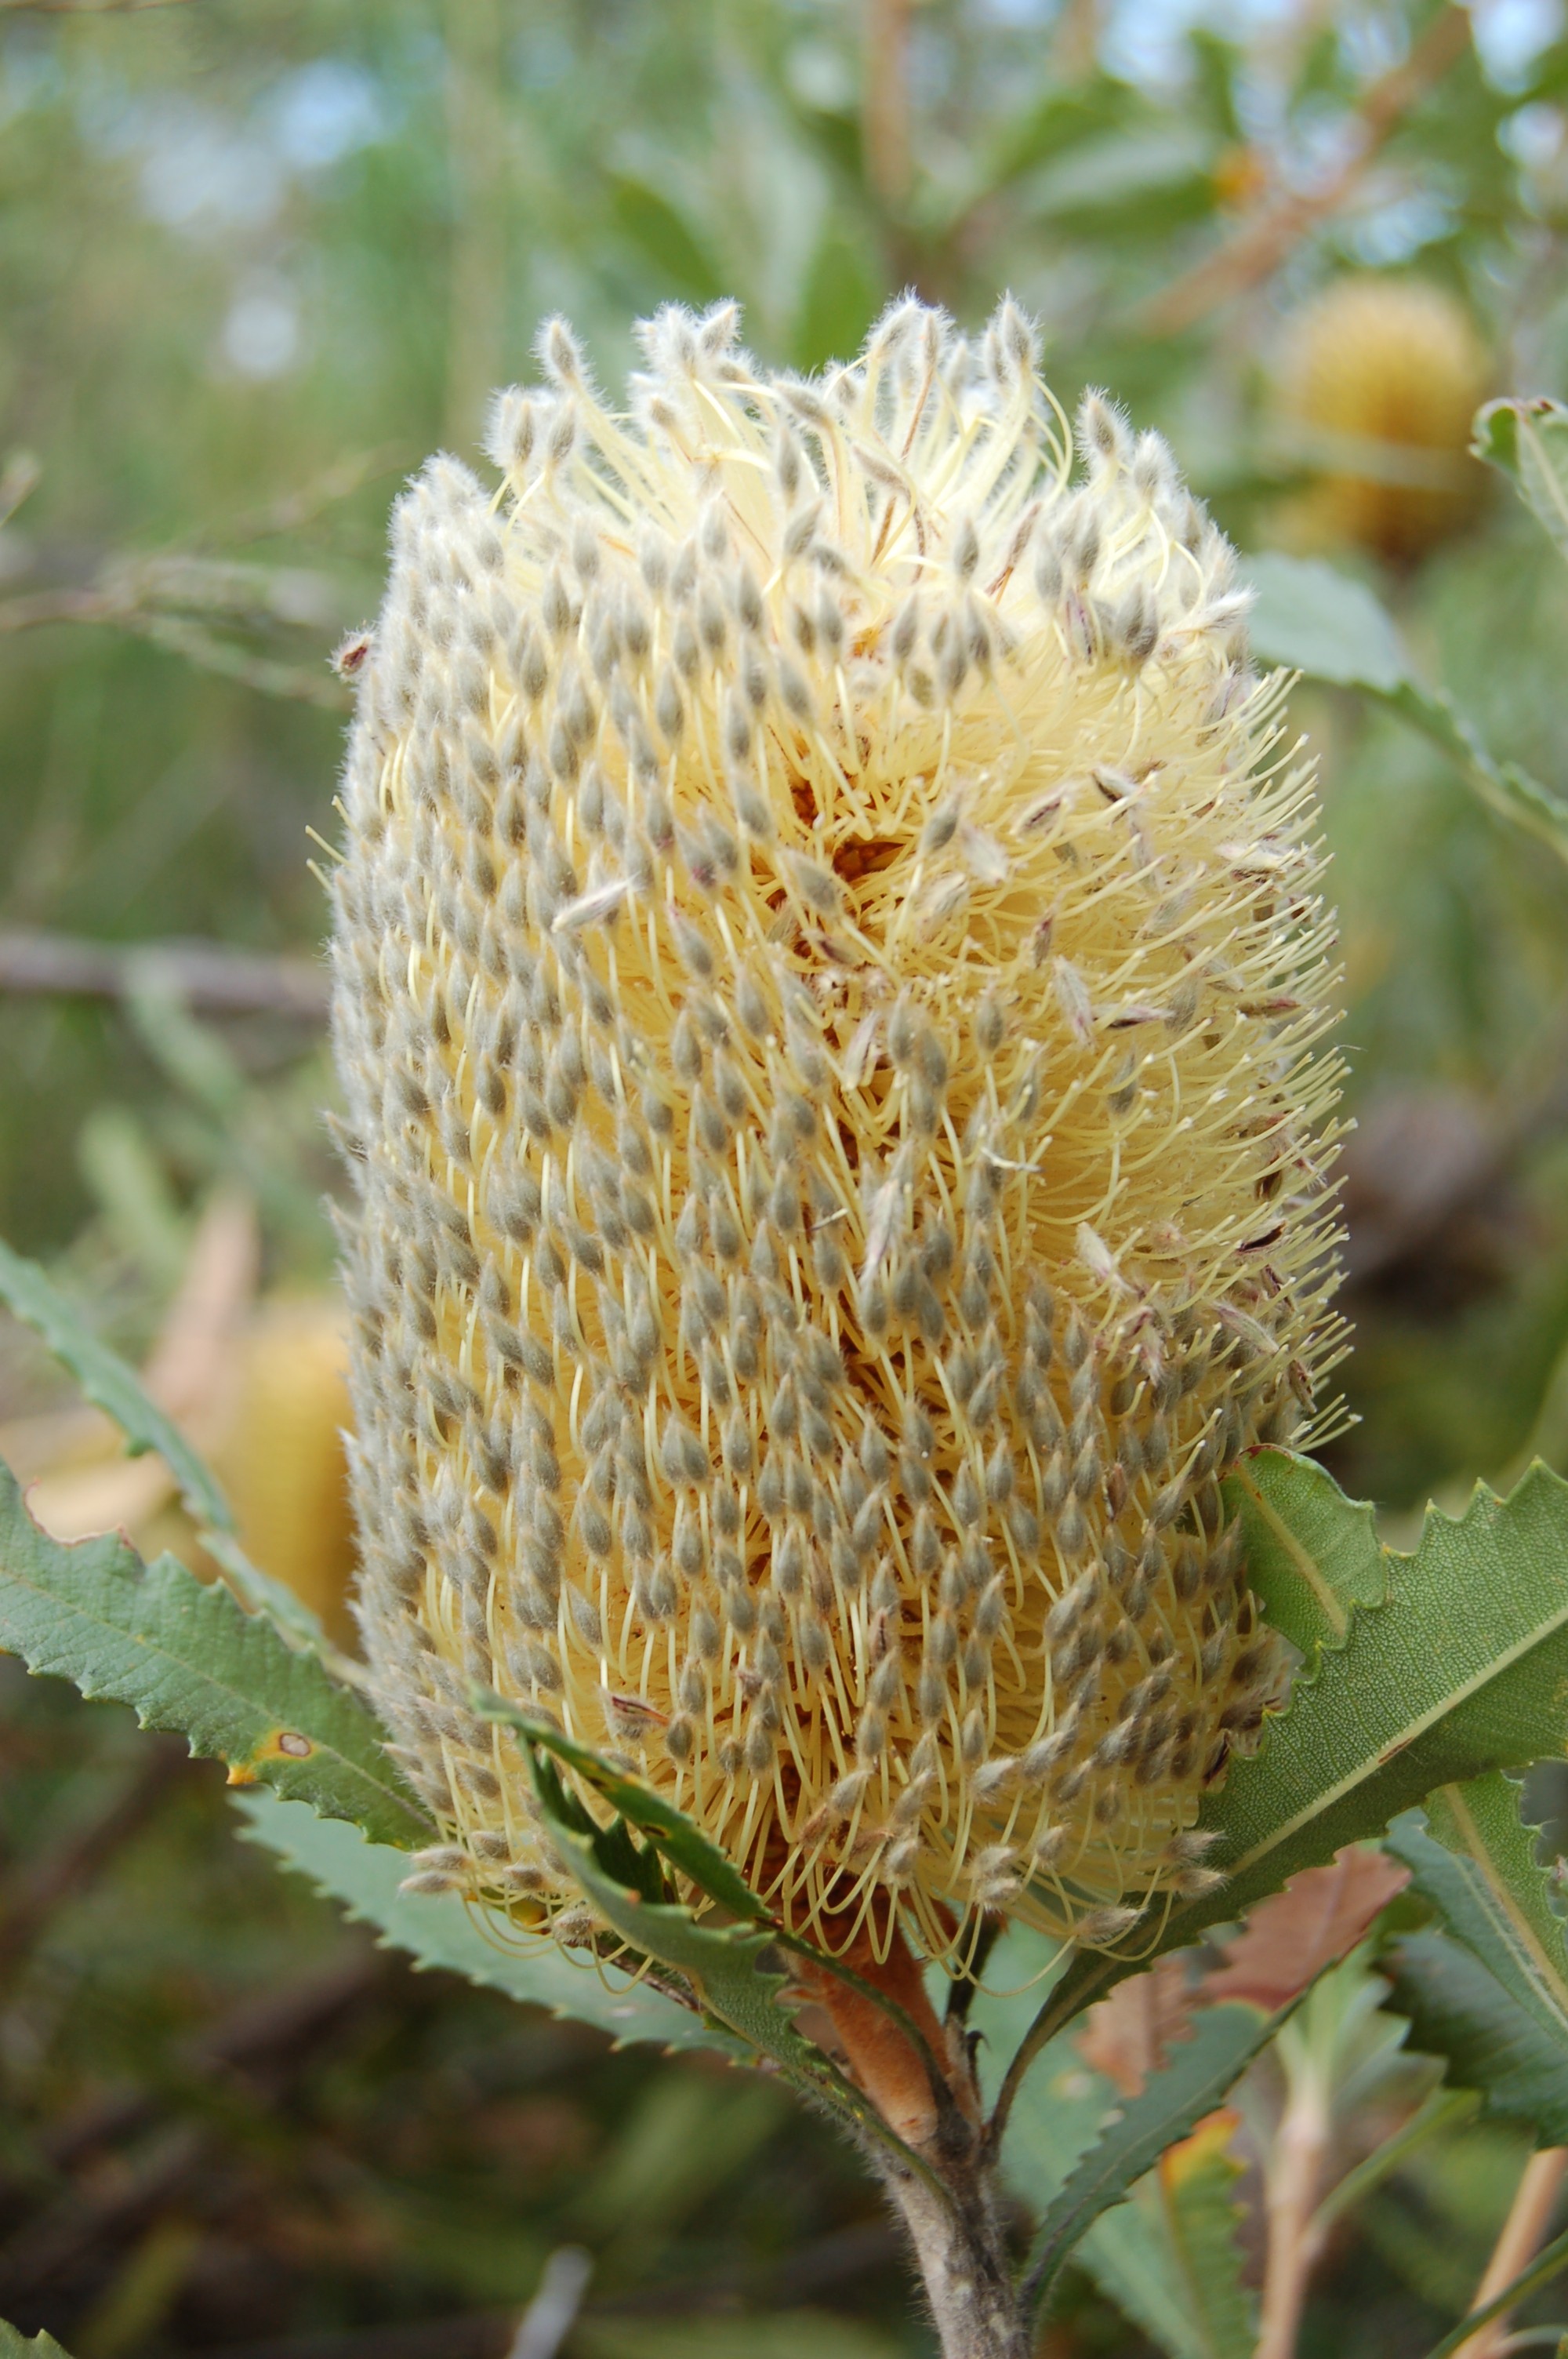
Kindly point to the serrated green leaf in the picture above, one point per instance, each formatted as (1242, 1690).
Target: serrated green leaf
(1462, 1671)
(678, 1838)
(441, 1930)
(681, 1839)
(1128, 2253)
(1169, 2257)
(1471, 1855)
(15, 2344)
(1060, 2111)
(730, 1968)
(1528, 440)
(1313, 1556)
(187, 1657)
(1196, 2184)
(1327, 625)
(1199, 2072)
(114, 1387)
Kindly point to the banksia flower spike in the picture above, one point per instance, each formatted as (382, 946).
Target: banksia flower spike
(829, 965)
(1379, 379)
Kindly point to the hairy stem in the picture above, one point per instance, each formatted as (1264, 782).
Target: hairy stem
(962, 2256)
(919, 2076)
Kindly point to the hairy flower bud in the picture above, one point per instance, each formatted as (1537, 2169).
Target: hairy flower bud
(829, 957)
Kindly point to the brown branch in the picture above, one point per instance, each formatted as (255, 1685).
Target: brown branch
(477, 160)
(205, 976)
(1530, 2216)
(1260, 244)
(885, 106)
(84, 7)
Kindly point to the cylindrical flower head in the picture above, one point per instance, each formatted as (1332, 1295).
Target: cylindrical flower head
(1384, 375)
(828, 957)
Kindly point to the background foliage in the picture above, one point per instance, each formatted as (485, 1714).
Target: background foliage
(256, 259)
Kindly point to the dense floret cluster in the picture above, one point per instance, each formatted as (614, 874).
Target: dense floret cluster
(829, 959)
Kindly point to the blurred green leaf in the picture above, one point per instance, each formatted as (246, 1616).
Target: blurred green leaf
(187, 1657)
(110, 1383)
(1109, 183)
(1197, 2185)
(665, 237)
(789, 2335)
(114, 1388)
(1312, 618)
(441, 1930)
(1503, 2027)
(838, 299)
(1546, 2264)
(1057, 121)
(1128, 2253)
(1330, 626)
(1528, 440)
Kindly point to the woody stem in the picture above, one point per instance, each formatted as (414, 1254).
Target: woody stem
(962, 2258)
(926, 2093)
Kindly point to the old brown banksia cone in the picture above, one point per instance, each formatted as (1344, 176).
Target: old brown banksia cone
(828, 964)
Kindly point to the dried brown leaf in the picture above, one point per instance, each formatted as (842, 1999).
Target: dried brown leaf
(1126, 2037)
(1318, 1920)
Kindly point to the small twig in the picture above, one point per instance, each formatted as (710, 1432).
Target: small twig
(1262, 243)
(84, 7)
(1530, 2216)
(884, 109)
(551, 2315)
(307, 501)
(1295, 2239)
(142, 597)
(204, 975)
(1546, 2264)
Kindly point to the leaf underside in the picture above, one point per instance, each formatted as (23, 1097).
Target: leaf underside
(15, 2344)
(186, 1656)
(442, 1931)
(1313, 619)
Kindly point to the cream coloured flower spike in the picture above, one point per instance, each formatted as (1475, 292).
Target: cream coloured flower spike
(829, 965)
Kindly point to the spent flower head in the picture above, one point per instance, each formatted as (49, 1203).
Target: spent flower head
(829, 957)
